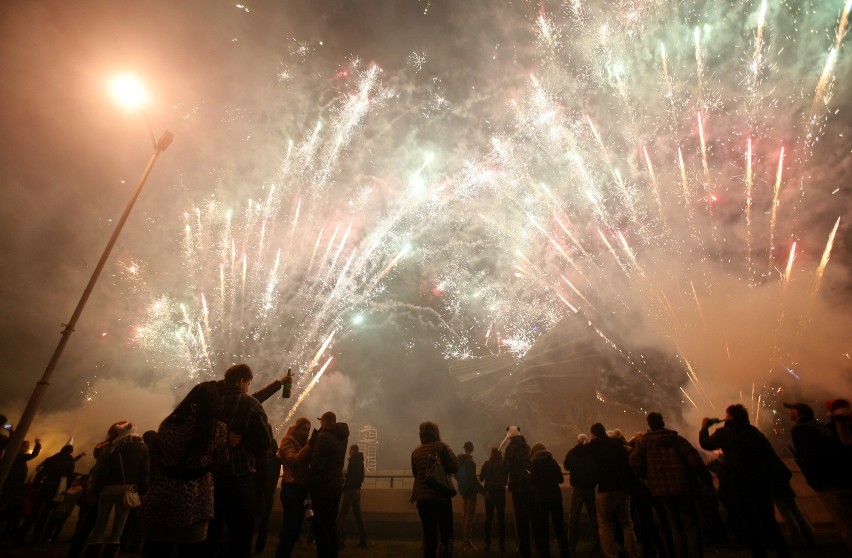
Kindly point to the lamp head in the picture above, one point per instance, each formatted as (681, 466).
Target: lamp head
(129, 91)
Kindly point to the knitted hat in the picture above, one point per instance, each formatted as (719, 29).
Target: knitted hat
(123, 430)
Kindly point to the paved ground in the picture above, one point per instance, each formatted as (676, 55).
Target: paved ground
(829, 547)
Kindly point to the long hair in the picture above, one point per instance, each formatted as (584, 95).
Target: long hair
(495, 458)
(205, 405)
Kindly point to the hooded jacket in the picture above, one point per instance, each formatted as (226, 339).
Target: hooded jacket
(516, 464)
(669, 463)
(325, 474)
(545, 477)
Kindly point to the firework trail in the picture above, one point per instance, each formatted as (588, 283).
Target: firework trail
(549, 210)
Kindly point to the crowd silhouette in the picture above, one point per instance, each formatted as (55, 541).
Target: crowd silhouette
(203, 485)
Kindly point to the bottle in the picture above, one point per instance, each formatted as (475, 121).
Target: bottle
(716, 421)
(287, 384)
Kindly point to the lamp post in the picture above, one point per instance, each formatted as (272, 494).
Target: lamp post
(129, 92)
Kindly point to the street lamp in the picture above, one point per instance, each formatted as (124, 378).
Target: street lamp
(128, 92)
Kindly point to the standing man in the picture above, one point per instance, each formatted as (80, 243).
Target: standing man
(325, 480)
(234, 484)
(674, 471)
(748, 456)
(517, 465)
(826, 467)
(352, 498)
(580, 465)
(615, 480)
(469, 488)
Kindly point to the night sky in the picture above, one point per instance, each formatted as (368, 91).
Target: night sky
(492, 298)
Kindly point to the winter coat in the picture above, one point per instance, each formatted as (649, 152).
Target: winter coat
(16, 482)
(125, 462)
(471, 484)
(354, 472)
(669, 463)
(421, 459)
(325, 474)
(181, 495)
(243, 415)
(516, 464)
(295, 457)
(580, 464)
(492, 476)
(52, 470)
(749, 457)
(613, 470)
(819, 454)
(545, 477)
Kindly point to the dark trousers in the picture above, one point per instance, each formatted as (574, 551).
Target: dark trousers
(522, 501)
(685, 527)
(325, 506)
(40, 511)
(435, 515)
(758, 513)
(264, 510)
(162, 549)
(542, 513)
(293, 504)
(496, 501)
(351, 500)
(583, 497)
(234, 506)
(85, 523)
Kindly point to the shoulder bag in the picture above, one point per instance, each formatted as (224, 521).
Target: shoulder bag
(436, 476)
(131, 499)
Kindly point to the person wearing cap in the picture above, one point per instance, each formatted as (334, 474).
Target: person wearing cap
(580, 465)
(748, 456)
(325, 481)
(469, 489)
(824, 464)
(840, 421)
(123, 464)
(816, 449)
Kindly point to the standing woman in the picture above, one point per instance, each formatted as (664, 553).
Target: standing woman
(494, 480)
(295, 456)
(190, 443)
(435, 510)
(123, 464)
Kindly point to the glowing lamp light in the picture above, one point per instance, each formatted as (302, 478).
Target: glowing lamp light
(128, 91)
(358, 319)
